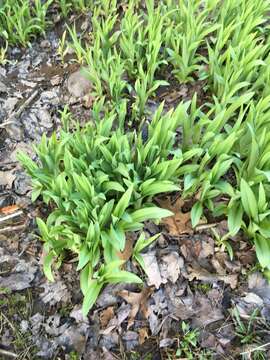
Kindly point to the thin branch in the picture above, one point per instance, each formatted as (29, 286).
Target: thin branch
(8, 353)
(12, 228)
(255, 349)
(11, 216)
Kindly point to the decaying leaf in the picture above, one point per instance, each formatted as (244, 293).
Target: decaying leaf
(105, 316)
(54, 293)
(7, 178)
(170, 266)
(199, 273)
(179, 223)
(152, 270)
(138, 301)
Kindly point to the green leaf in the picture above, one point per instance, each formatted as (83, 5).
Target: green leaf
(262, 204)
(158, 187)
(229, 249)
(196, 213)
(35, 194)
(84, 257)
(139, 259)
(248, 200)
(43, 229)
(85, 278)
(91, 295)
(122, 276)
(150, 214)
(47, 266)
(235, 214)
(142, 243)
(113, 185)
(118, 238)
(262, 247)
(123, 203)
(113, 266)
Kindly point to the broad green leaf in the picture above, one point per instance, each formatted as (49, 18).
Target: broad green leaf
(248, 200)
(113, 185)
(196, 213)
(118, 238)
(122, 276)
(91, 295)
(139, 259)
(229, 249)
(142, 243)
(235, 214)
(262, 247)
(158, 187)
(123, 203)
(113, 265)
(43, 229)
(262, 204)
(85, 276)
(150, 213)
(84, 257)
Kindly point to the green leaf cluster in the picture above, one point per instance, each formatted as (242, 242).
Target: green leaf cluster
(20, 21)
(100, 183)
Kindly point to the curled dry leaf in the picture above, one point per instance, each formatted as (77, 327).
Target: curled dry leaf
(138, 301)
(179, 223)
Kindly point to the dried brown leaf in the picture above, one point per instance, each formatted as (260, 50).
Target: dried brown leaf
(143, 335)
(199, 273)
(180, 222)
(138, 301)
(105, 316)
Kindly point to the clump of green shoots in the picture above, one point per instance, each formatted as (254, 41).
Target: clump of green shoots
(101, 184)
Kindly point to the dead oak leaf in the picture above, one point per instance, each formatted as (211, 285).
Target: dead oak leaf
(138, 301)
(105, 316)
(180, 222)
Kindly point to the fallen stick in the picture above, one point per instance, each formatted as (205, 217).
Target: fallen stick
(255, 349)
(8, 353)
(12, 228)
(18, 112)
(11, 216)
